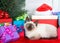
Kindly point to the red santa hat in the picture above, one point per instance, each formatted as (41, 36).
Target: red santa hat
(44, 7)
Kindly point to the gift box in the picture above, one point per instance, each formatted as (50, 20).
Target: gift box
(19, 25)
(9, 33)
(52, 20)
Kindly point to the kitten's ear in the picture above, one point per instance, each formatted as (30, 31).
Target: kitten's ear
(36, 22)
(28, 18)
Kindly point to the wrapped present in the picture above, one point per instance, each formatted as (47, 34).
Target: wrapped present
(8, 33)
(19, 25)
(1, 33)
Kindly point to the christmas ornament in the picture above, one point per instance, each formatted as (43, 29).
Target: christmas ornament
(14, 7)
(6, 15)
(1, 14)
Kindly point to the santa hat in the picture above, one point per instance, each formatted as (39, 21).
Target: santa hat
(44, 7)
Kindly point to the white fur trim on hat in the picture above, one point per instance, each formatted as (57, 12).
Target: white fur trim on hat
(44, 17)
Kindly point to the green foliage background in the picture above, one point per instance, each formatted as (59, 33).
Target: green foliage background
(14, 7)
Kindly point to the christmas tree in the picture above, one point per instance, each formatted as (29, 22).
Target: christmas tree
(14, 7)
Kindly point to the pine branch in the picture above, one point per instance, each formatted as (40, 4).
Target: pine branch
(14, 7)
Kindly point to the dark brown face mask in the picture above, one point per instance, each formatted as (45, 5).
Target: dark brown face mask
(30, 27)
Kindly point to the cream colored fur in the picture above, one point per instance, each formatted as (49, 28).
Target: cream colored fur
(40, 31)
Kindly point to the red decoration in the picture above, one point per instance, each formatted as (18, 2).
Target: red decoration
(1, 14)
(6, 15)
(44, 7)
(5, 20)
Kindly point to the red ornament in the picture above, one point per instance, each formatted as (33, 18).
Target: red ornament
(1, 14)
(1, 17)
(6, 15)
